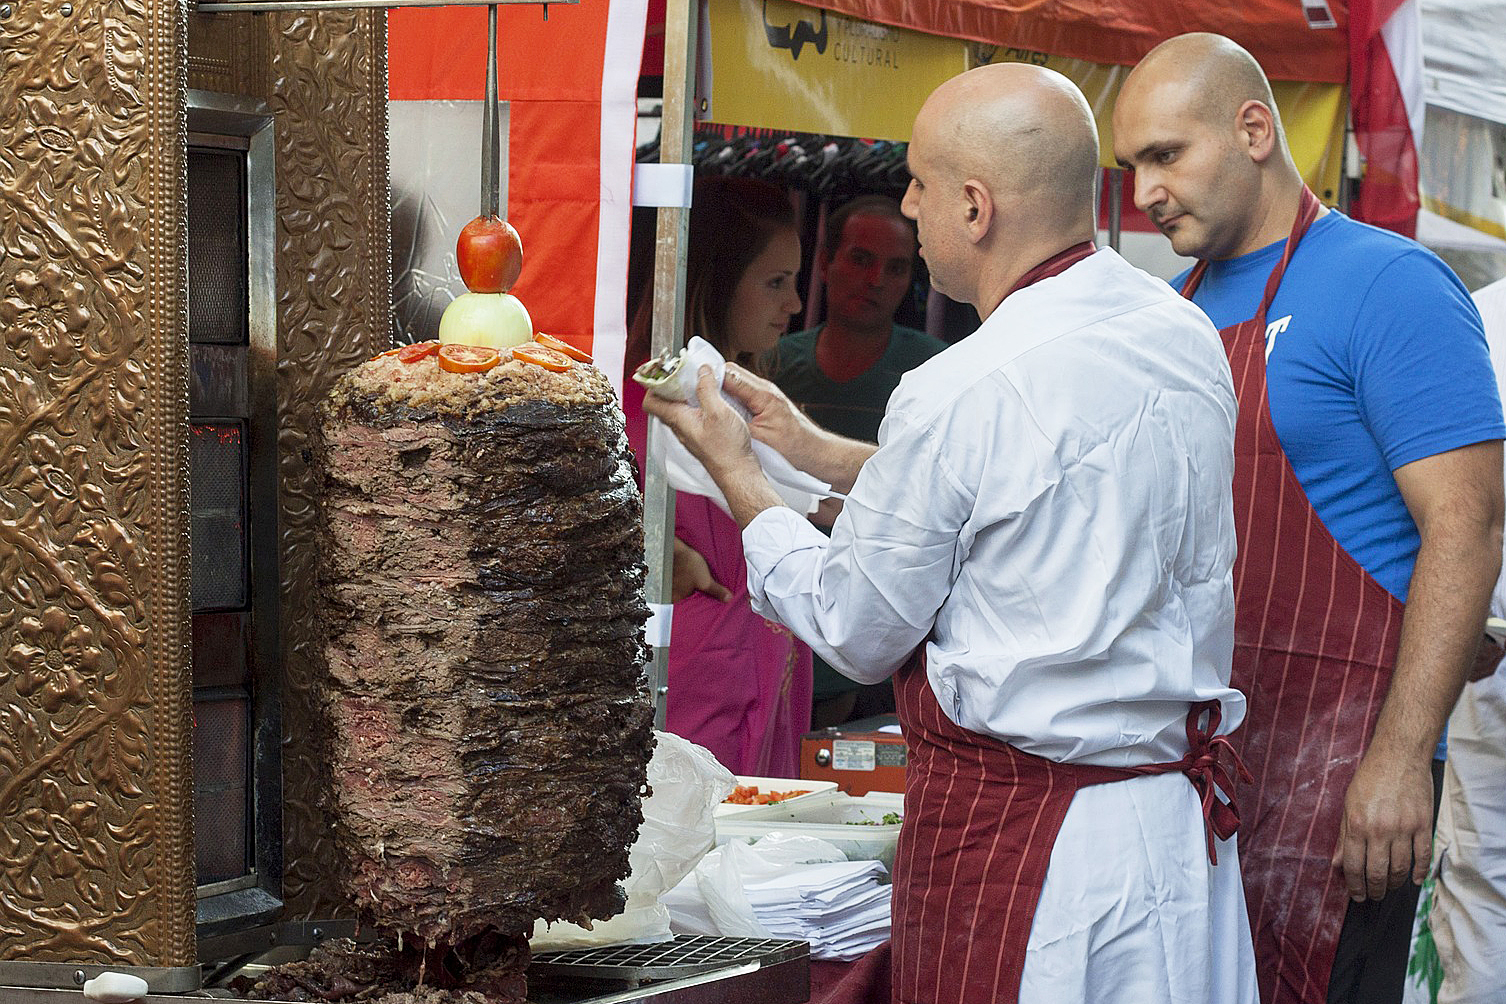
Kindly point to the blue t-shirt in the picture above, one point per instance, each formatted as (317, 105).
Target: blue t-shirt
(1375, 357)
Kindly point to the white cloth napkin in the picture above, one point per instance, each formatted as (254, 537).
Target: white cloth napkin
(799, 490)
(819, 884)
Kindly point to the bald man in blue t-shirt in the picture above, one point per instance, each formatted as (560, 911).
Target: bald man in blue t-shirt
(1384, 406)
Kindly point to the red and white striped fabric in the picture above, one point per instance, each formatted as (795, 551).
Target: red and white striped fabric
(1020, 879)
(1386, 106)
(571, 83)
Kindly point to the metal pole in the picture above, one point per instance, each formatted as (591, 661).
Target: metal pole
(1351, 166)
(672, 237)
(491, 136)
(1116, 205)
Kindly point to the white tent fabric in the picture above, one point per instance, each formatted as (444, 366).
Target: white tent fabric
(1441, 232)
(1460, 179)
(1460, 162)
(1402, 34)
(1462, 43)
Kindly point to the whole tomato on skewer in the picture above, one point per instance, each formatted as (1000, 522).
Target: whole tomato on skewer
(490, 254)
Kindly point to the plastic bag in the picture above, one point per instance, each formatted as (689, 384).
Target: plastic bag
(687, 784)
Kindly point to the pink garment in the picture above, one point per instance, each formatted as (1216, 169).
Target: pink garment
(739, 685)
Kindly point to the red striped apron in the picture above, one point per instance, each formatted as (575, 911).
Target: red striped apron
(1314, 641)
(981, 819)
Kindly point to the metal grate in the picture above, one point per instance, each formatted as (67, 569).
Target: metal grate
(217, 515)
(686, 955)
(218, 271)
(221, 805)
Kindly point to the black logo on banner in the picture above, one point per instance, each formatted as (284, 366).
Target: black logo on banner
(784, 37)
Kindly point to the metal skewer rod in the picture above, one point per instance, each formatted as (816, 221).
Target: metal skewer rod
(671, 239)
(1116, 205)
(491, 136)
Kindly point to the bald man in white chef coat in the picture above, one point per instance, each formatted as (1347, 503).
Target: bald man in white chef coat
(1047, 519)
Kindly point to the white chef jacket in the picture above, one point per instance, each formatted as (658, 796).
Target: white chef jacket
(1050, 504)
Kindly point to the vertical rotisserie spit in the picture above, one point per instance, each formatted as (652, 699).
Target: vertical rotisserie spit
(480, 595)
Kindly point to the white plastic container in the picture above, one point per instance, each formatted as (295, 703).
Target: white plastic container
(852, 825)
(813, 790)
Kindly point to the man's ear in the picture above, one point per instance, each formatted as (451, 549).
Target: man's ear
(979, 208)
(1257, 126)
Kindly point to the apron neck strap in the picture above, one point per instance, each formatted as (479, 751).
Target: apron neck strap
(1053, 266)
(1307, 211)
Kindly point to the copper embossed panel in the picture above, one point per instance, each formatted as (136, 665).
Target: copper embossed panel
(329, 94)
(96, 860)
(228, 53)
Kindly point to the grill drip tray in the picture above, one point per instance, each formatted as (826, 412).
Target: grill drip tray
(686, 970)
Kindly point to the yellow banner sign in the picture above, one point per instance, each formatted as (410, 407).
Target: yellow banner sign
(781, 65)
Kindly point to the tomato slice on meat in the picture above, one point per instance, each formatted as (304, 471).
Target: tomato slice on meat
(560, 345)
(541, 355)
(418, 350)
(457, 358)
(410, 353)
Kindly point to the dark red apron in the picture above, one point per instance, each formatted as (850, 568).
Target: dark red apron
(981, 819)
(1314, 641)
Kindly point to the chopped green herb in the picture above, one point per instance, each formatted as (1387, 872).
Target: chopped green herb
(890, 819)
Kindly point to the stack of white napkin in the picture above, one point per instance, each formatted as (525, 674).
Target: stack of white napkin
(786, 886)
(841, 908)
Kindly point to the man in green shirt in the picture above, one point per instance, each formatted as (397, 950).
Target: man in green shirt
(843, 371)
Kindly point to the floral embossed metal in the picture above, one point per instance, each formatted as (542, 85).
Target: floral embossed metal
(94, 798)
(96, 859)
(334, 311)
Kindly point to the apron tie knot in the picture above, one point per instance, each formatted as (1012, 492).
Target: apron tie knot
(1208, 766)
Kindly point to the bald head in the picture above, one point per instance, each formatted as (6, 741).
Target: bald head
(1003, 167)
(1025, 131)
(1209, 77)
(1196, 124)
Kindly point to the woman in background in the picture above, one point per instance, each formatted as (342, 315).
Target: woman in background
(739, 685)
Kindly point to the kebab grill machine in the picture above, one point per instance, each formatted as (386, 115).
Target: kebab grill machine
(194, 208)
